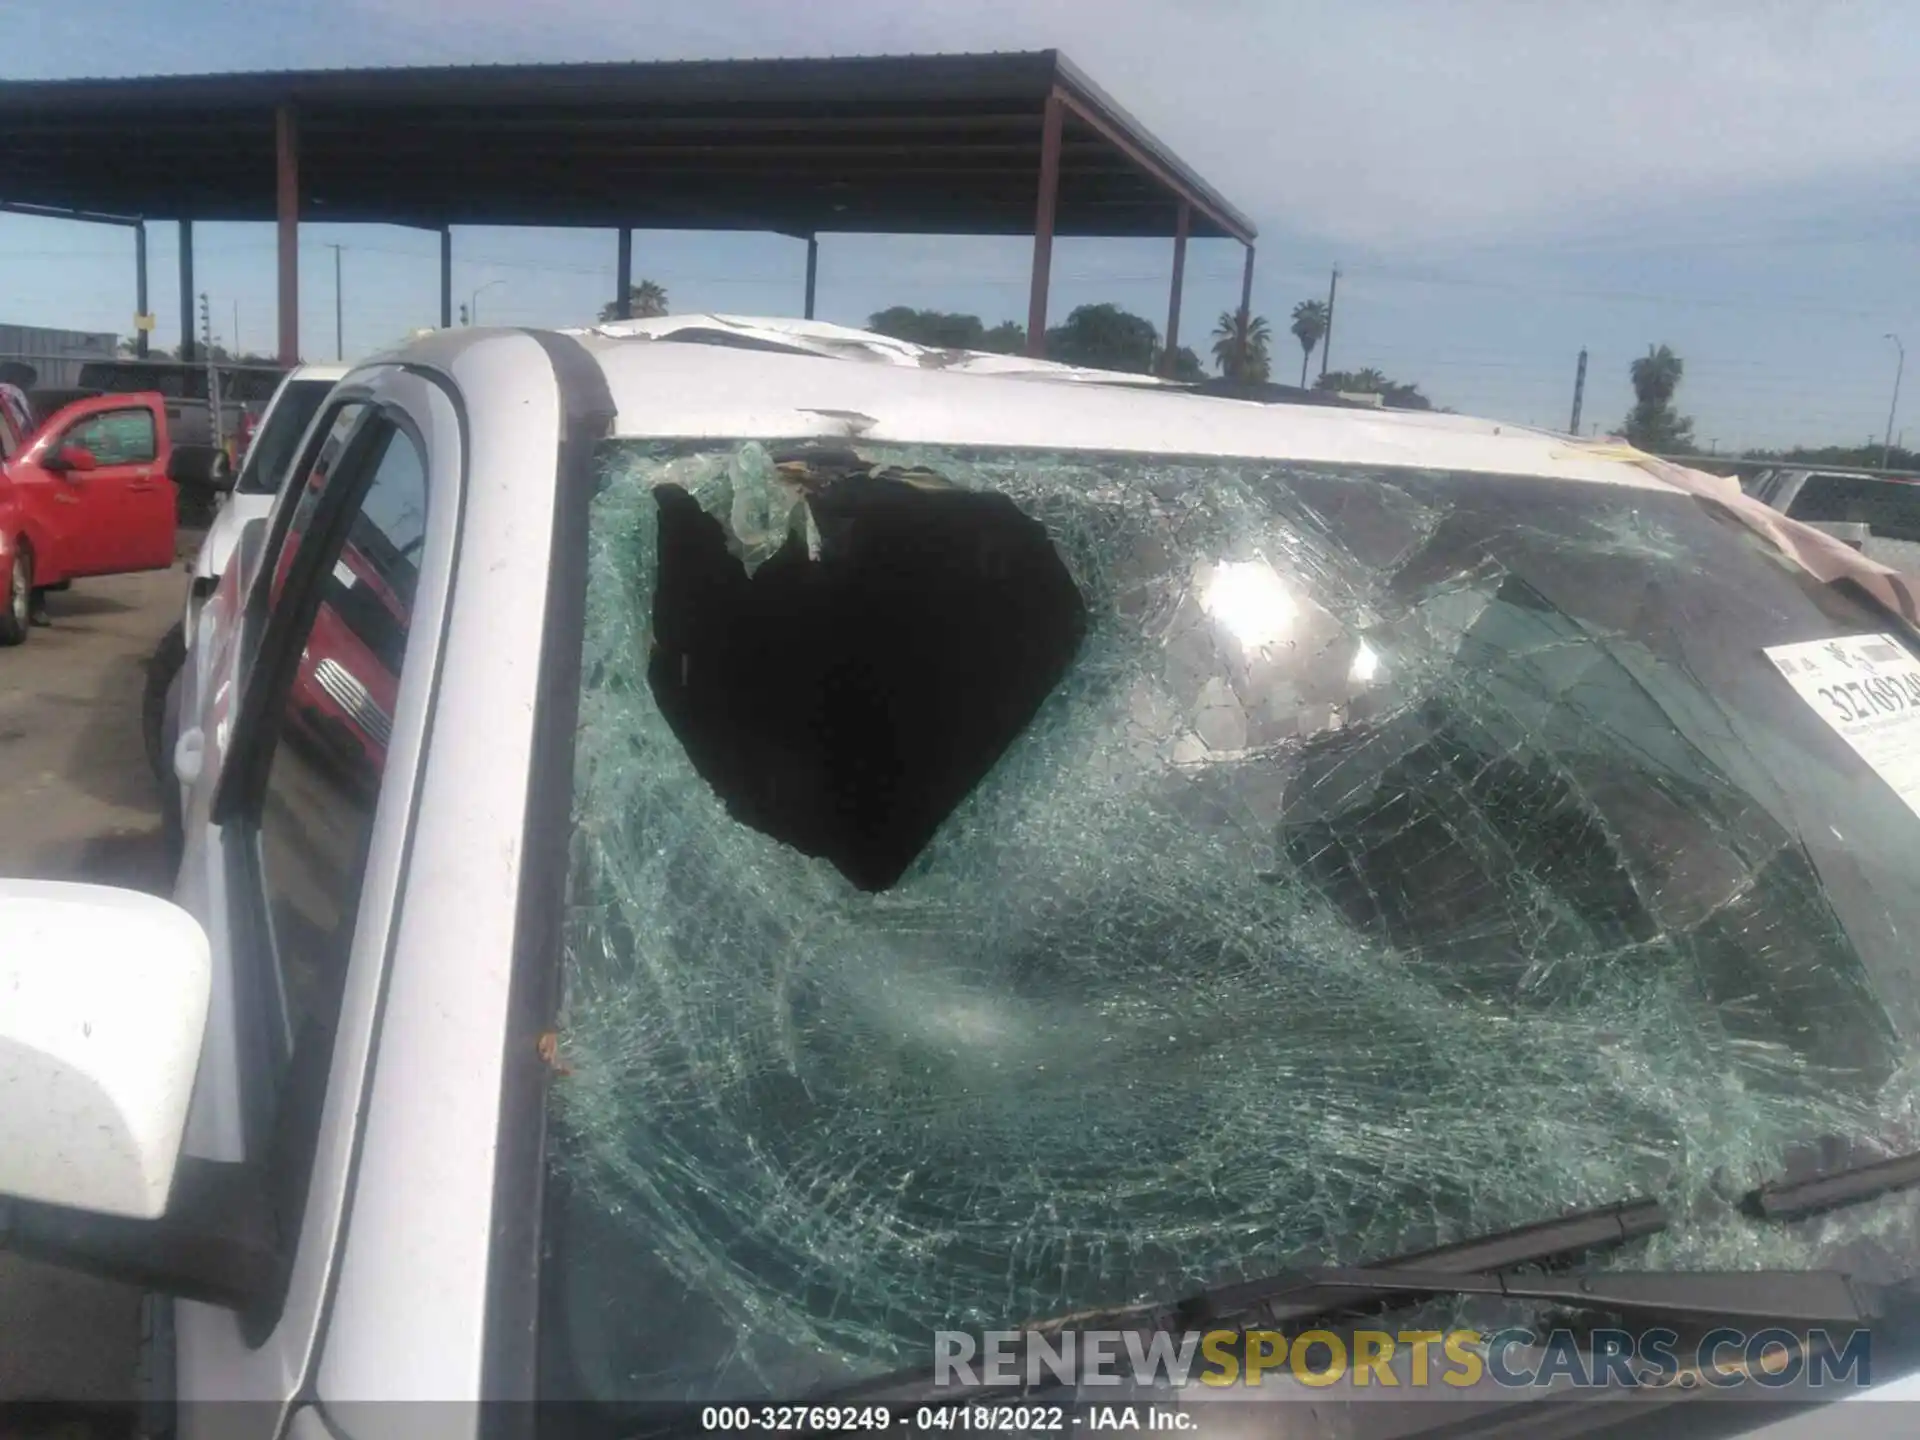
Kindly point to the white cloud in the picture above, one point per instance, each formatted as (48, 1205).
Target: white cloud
(1394, 124)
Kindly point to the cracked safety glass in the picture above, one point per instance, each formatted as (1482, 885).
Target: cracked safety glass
(1008, 884)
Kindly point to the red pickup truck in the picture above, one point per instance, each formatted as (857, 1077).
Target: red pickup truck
(87, 491)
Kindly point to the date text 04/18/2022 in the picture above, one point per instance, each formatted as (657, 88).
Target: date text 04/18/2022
(943, 1419)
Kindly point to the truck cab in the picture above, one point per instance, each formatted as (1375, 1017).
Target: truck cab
(88, 492)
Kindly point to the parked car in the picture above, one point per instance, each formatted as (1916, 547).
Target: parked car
(851, 851)
(267, 460)
(1876, 514)
(88, 492)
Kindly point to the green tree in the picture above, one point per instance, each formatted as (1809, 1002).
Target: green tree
(1006, 338)
(1371, 382)
(1230, 345)
(936, 328)
(1310, 321)
(1105, 337)
(129, 349)
(1186, 364)
(646, 300)
(1653, 424)
(945, 330)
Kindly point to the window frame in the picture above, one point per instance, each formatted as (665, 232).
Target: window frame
(281, 631)
(360, 450)
(510, 1327)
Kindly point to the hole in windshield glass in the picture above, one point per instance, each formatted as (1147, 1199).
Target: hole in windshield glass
(845, 701)
(1386, 857)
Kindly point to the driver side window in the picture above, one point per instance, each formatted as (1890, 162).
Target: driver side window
(117, 437)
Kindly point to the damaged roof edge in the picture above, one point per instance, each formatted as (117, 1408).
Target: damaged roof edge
(700, 391)
(843, 342)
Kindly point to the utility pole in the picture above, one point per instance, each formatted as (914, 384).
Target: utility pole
(339, 345)
(215, 412)
(1326, 340)
(1886, 448)
(1579, 392)
(238, 348)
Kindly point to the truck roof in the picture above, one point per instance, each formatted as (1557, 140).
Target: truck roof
(843, 342)
(698, 390)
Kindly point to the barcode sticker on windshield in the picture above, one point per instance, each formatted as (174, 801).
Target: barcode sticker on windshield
(1867, 687)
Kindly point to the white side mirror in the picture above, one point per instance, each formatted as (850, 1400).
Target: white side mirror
(103, 1007)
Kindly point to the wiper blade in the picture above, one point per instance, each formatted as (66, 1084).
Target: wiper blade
(1282, 1298)
(1805, 1296)
(1851, 1186)
(1306, 1294)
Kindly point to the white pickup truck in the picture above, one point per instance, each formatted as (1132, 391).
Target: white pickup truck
(276, 441)
(708, 868)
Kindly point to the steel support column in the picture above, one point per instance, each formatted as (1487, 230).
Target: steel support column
(1246, 314)
(140, 287)
(446, 277)
(186, 290)
(1043, 225)
(1181, 224)
(623, 280)
(813, 270)
(287, 212)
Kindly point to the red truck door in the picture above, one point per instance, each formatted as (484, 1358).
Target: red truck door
(94, 482)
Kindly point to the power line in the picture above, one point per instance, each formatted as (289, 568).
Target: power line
(1378, 274)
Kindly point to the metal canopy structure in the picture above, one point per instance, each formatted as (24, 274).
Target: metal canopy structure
(949, 144)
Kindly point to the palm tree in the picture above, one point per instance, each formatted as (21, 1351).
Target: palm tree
(1310, 320)
(645, 300)
(1242, 354)
(1653, 424)
(1656, 375)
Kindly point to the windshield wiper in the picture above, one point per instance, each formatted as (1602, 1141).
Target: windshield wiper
(1853, 1185)
(1466, 1267)
(1279, 1299)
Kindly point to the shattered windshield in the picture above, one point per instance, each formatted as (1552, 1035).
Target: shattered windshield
(1007, 884)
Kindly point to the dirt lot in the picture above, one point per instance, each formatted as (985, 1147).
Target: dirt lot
(77, 802)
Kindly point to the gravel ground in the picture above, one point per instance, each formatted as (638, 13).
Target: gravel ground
(77, 802)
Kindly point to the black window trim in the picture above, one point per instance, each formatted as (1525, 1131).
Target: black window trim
(269, 661)
(255, 628)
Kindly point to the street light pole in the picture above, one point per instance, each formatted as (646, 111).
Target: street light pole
(339, 345)
(1886, 449)
(473, 306)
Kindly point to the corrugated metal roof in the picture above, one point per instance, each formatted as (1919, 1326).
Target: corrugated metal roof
(918, 143)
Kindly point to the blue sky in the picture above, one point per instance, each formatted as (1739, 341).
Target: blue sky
(1502, 182)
